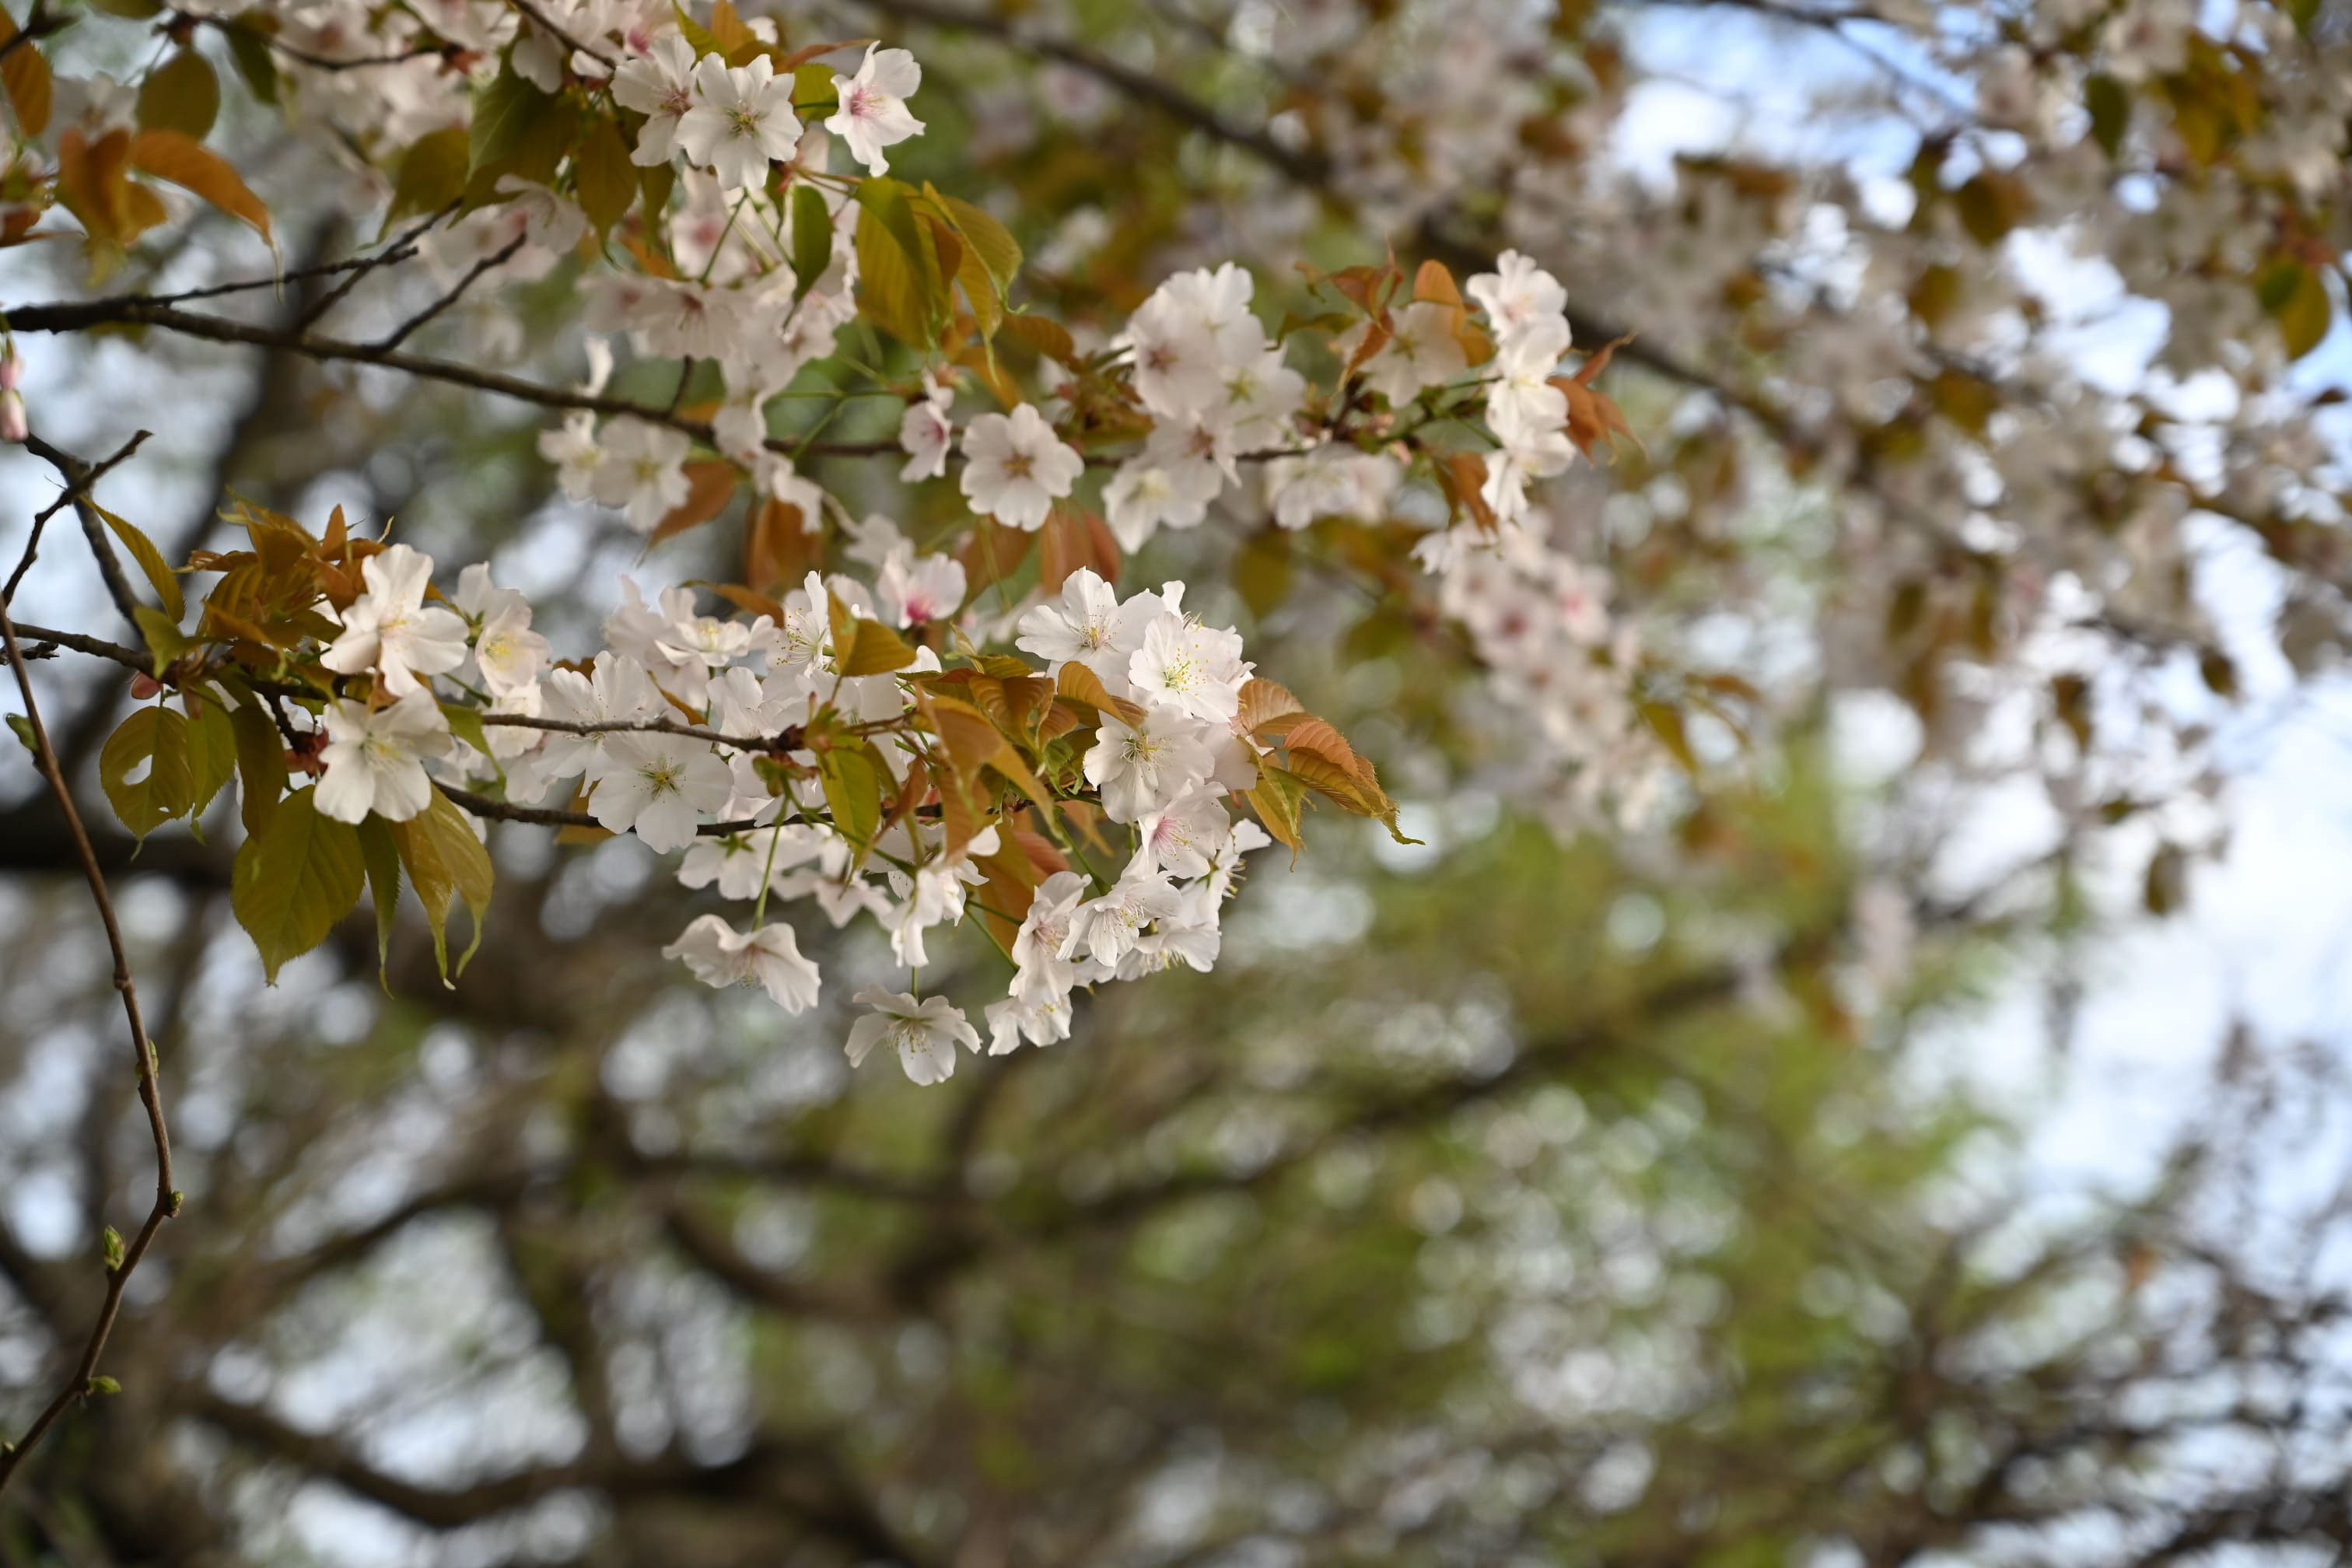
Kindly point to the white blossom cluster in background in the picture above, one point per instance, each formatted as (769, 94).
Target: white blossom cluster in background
(754, 834)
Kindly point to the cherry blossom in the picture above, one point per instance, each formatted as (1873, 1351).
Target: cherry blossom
(872, 113)
(742, 120)
(769, 957)
(1016, 468)
(391, 630)
(374, 760)
(925, 1033)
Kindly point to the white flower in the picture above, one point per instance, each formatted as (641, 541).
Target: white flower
(1172, 942)
(915, 590)
(660, 786)
(1016, 468)
(375, 761)
(1140, 768)
(1194, 329)
(1166, 484)
(769, 958)
(572, 448)
(1089, 626)
(1107, 929)
(1039, 968)
(1185, 836)
(1422, 351)
(390, 628)
(1524, 454)
(926, 1033)
(1517, 293)
(742, 121)
(658, 85)
(927, 432)
(505, 650)
(1183, 665)
(1522, 398)
(1039, 1019)
(642, 470)
(619, 692)
(872, 113)
(1330, 481)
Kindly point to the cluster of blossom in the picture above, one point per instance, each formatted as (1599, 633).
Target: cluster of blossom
(754, 830)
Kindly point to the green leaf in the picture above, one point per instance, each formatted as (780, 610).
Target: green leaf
(181, 94)
(873, 649)
(811, 238)
(22, 728)
(260, 763)
(898, 279)
(696, 33)
(853, 791)
(465, 723)
(606, 179)
(158, 738)
(379, 853)
(432, 175)
(165, 640)
(998, 250)
(249, 46)
(212, 748)
(516, 130)
(2109, 103)
(657, 183)
(295, 879)
(813, 98)
(151, 563)
(109, 1242)
(1278, 797)
(2303, 310)
(446, 861)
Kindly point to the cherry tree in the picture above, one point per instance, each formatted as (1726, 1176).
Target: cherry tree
(1320, 301)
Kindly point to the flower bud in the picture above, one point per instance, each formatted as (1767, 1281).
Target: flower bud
(11, 369)
(13, 424)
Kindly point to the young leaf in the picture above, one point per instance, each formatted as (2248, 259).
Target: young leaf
(446, 861)
(295, 879)
(181, 94)
(168, 155)
(379, 853)
(853, 791)
(26, 74)
(811, 238)
(261, 764)
(874, 649)
(607, 181)
(151, 563)
(432, 175)
(157, 738)
(1277, 798)
(212, 748)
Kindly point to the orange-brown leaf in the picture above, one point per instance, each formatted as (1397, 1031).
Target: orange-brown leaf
(710, 485)
(169, 156)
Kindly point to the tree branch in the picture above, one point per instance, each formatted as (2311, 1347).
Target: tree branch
(83, 1380)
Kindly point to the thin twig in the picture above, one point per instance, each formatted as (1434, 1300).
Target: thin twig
(69, 317)
(84, 1379)
(73, 492)
(482, 805)
(400, 333)
(78, 476)
(574, 45)
(400, 249)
